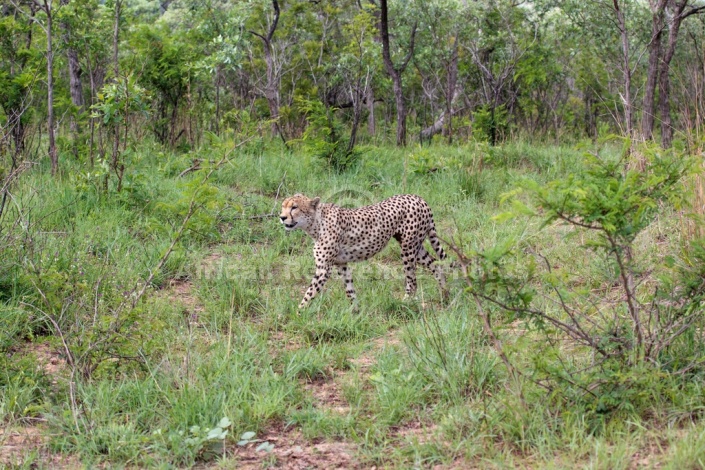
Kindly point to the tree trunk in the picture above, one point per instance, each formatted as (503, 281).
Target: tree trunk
(75, 73)
(401, 109)
(590, 117)
(626, 70)
(217, 100)
(91, 75)
(434, 128)
(271, 89)
(395, 73)
(647, 120)
(450, 89)
(674, 24)
(356, 94)
(116, 38)
(164, 6)
(442, 120)
(116, 71)
(53, 156)
(370, 110)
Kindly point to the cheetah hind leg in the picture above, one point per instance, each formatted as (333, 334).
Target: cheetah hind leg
(426, 260)
(346, 273)
(409, 259)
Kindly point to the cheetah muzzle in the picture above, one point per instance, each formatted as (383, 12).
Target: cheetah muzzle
(344, 235)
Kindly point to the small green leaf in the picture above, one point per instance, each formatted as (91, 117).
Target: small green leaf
(521, 208)
(265, 447)
(504, 217)
(247, 436)
(216, 433)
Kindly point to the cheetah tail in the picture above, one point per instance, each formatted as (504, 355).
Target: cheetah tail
(436, 243)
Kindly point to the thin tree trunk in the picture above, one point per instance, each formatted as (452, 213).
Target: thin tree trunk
(14, 114)
(91, 158)
(370, 110)
(217, 100)
(401, 110)
(647, 120)
(664, 78)
(442, 120)
(75, 72)
(164, 6)
(395, 73)
(450, 90)
(356, 95)
(53, 156)
(116, 38)
(116, 71)
(271, 90)
(626, 70)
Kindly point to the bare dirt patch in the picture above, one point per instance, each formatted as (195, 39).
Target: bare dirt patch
(291, 451)
(49, 359)
(416, 431)
(328, 395)
(181, 290)
(650, 455)
(280, 341)
(17, 444)
(209, 264)
(366, 360)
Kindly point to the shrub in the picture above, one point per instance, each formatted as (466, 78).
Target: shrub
(605, 349)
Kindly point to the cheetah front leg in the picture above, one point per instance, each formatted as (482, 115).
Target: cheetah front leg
(346, 273)
(319, 280)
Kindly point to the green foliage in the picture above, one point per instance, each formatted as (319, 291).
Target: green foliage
(118, 101)
(306, 363)
(618, 202)
(346, 326)
(631, 336)
(490, 124)
(15, 324)
(323, 136)
(198, 443)
(451, 355)
(23, 387)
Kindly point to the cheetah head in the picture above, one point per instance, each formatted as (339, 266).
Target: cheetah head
(298, 211)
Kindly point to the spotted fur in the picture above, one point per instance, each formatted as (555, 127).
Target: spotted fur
(344, 235)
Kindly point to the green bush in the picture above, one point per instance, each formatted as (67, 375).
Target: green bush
(324, 137)
(619, 348)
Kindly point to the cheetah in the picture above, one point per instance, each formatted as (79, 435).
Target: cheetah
(344, 235)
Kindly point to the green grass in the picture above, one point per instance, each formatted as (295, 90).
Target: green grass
(399, 383)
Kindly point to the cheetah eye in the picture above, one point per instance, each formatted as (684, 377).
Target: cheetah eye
(294, 207)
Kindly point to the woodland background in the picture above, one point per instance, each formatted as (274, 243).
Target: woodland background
(92, 79)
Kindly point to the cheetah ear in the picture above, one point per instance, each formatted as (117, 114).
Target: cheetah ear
(315, 201)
